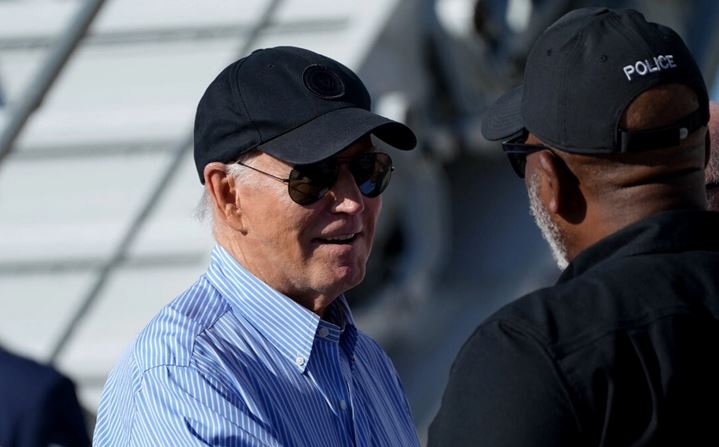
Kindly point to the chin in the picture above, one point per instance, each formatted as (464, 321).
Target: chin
(349, 277)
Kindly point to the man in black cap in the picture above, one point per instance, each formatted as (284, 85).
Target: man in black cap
(609, 132)
(262, 350)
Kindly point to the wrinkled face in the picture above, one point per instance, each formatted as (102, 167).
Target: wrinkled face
(305, 251)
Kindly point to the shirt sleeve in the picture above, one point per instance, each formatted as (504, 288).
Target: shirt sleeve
(504, 390)
(179, 407)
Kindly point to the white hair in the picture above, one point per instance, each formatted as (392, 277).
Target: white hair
(550, 230)
(204, 209)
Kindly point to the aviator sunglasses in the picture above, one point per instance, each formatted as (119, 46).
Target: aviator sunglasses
(517, 152)
(308, 183)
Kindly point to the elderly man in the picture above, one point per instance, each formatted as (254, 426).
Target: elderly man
(608, 130)
(712, 169)
(262, 350)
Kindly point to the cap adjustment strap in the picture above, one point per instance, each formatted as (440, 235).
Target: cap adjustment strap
(664, 136)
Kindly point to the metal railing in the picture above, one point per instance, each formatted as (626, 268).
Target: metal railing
(60, 53)
(179, 152)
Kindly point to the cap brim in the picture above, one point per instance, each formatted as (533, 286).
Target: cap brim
(503, 119)
(332, 132)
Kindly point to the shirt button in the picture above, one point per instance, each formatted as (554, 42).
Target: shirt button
(300, 360)
(343, 404)
(324, 332)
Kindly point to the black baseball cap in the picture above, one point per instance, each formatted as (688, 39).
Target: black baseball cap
(582, 73)
(291, 103)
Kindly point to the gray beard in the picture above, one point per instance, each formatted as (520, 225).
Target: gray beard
(550, 230)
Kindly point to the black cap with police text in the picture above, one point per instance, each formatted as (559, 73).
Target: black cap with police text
(583, 72)
(291, 103)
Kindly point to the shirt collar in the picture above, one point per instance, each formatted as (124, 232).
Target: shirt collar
(288, 326)
(665, 232)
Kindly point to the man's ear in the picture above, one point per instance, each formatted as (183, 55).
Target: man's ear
(559, 187)
(222, 188)
(549, 176)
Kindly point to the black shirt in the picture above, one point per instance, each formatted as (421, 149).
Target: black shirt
(622, 351)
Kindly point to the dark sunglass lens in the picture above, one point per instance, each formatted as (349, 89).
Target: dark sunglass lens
(309, 183)
(372, 172)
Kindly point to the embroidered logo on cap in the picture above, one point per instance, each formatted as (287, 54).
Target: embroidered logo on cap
(323, 82)
(642, 67)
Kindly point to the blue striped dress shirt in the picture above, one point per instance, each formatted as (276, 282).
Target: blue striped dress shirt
(232, 362)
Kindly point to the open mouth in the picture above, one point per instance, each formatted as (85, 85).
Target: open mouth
(344, 239)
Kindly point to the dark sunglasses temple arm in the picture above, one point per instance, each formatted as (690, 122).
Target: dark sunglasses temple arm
(283, 180)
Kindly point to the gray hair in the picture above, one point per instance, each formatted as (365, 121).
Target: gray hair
(203, 209)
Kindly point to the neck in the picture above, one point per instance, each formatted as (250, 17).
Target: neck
(625, 207)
